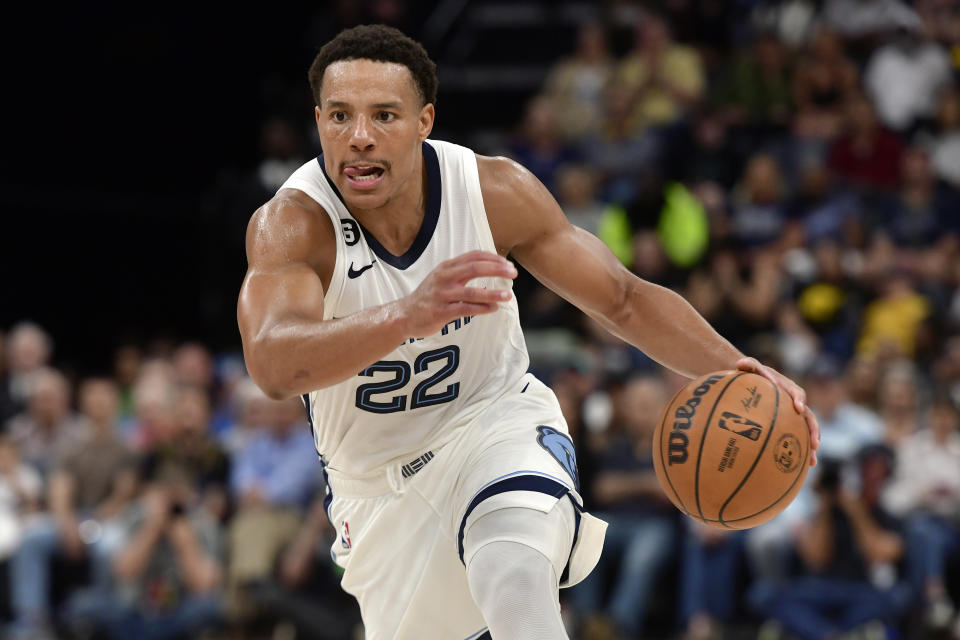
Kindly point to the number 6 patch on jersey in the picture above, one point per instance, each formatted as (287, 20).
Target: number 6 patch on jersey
(560, 447)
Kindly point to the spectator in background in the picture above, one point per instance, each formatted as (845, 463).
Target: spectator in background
(643, 525)
(890, 323)
(168, 572)
(925, 492)
(154, 398)
(272, 481)
(576, 84)
(21, 491)
(866, 156)
(92, 482)
(826, 78)
(540, 147)
(867, 20)
(28, 350)
(899, 402)
(577, 196)
(280, 145)
(756, 91)
(186, 462)
(905, 77)
(48, 426)
(126, 369)
(845, 427)
(923, 211)
(759, 213)
(193, 365)
(252, 411)
(664, 80)
(849, 551)
(945, 150)
(710, 574)
(618, 154)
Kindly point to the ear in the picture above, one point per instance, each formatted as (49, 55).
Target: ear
(316, 116)
(425, 121)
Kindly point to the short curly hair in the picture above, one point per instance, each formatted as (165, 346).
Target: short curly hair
(382, 44)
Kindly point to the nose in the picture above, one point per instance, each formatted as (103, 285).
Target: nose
(361, 137)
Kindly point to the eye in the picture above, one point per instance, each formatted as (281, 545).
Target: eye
(385, 116)
(339, 116)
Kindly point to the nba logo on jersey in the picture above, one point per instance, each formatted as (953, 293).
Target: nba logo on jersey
(345, 534)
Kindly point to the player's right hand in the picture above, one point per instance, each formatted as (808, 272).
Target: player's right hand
(444, 296)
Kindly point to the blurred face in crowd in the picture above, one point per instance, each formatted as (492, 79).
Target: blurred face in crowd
(862, 376)
(592, 43)
(943, 419)
(49, 398)
(948, 111)
(576, 186)
(9, 455)
(861, 119)
(29, 348)
(372, 121)
(898, 392)
(193, 411)
(762, 178)
(642, 401)
(287, 416)
(99, 401)
(916, 168)
(193, 365)
(653, 36)
(540, 123)
(126, 365)
(826, 393)
(153, 404)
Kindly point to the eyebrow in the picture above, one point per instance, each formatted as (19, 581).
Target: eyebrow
(337, 104)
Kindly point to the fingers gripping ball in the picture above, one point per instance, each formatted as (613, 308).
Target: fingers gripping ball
(730, 450)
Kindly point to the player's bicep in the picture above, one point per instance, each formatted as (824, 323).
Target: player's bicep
(277, 294)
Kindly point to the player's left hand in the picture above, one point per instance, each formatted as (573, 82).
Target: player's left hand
(796, 392)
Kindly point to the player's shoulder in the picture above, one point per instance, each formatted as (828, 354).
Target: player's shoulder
(504, 178)
(292, 223)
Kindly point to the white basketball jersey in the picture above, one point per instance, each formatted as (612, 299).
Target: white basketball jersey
(421, 393)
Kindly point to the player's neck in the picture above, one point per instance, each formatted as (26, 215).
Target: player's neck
(396, 224)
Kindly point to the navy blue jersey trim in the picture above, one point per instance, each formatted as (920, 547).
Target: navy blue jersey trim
(485, 636)
(518, 483)
(430, 216)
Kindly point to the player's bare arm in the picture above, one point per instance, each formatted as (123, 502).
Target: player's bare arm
(528, 224)
(289, 348)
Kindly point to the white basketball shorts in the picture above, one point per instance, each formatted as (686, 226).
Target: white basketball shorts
(401, 531)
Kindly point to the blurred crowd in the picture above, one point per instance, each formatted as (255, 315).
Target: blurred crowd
(794, 173)
(167, 498)
(800, 188)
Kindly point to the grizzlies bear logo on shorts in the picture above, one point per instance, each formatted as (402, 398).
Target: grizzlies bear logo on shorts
(560, 447)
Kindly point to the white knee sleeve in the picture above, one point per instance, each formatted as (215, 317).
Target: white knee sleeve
(514, 557)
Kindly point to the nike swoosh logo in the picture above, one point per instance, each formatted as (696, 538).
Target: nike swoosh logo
(356, 273)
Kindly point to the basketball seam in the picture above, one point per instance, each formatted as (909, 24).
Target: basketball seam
(773, 425)
(703, 438)
(666, 473)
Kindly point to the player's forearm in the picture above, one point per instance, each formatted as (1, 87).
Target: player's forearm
(667, 328)
(296, 356)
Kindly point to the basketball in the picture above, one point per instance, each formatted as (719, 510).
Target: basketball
(730, 450)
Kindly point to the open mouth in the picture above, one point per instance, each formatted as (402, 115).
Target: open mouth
(363, 176)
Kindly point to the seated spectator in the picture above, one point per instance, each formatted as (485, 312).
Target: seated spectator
(849, 552)
(168, 573)
(824, 81)
(643, 525)
(577, 196)
(91, 484)
(904, 78)
(305, 589)
(891, 322)
(710, 574)
(759, 213)
(945, 151)
(252, 411)
(28, 349)
(187, 461)
(576, 84)
(756, 91)
(865, 156)
(899, 402)
(48, 426)
(925, 491)
(21, 490)
(540, 146)
(663, 79)
(922, 212)
(272, 480)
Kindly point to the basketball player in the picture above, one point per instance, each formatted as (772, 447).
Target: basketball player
(379, 289)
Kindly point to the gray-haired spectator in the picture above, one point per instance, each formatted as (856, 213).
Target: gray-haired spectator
(48, 425)
(28, 349)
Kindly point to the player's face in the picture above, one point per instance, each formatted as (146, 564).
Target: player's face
(371, 124)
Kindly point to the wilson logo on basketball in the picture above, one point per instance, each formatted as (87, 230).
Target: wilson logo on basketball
(678, 442)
